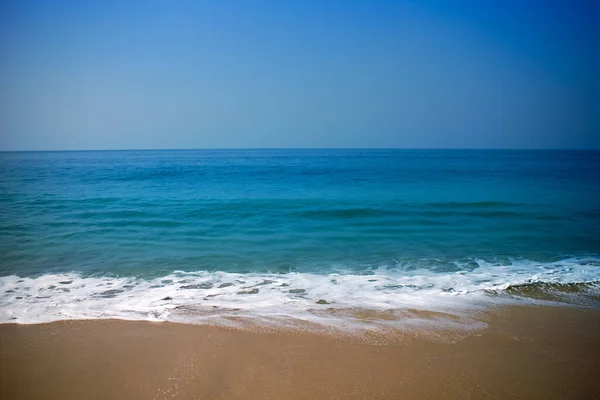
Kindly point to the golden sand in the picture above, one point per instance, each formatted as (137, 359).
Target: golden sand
(525, 353)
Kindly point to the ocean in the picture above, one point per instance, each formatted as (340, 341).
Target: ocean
(204, 236)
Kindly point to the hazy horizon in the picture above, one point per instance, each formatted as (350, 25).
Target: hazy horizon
(308, 148)
(81, 75)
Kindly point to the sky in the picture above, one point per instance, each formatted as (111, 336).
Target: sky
(154, 74)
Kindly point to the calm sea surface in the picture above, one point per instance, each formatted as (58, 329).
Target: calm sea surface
(274, 231)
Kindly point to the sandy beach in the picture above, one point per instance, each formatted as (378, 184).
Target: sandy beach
(281, 200)
(525, 353)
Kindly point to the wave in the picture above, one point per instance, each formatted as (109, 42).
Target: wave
(216, 297)
(474, 204)
(580, 293)
(344, 213)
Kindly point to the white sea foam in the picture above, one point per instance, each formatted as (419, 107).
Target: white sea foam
(214, 297)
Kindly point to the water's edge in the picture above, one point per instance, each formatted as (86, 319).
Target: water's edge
(379, 298)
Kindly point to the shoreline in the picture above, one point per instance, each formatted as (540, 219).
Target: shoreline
(525, 352)
(203, 296)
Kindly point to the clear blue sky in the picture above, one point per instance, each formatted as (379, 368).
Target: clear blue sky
(219, 74)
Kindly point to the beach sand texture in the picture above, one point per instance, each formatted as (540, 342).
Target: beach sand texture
(525, 353)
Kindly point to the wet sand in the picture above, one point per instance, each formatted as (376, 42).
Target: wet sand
(525, 353)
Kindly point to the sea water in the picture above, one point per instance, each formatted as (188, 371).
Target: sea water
(189, 235)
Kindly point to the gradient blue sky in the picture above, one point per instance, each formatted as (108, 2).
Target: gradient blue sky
(220, 74)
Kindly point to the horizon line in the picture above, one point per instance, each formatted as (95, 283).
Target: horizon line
(304, 148)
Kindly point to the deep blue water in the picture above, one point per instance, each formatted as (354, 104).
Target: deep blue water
(145, 214)
(137, 212)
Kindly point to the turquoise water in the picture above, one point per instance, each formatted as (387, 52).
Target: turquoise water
(208, 217)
